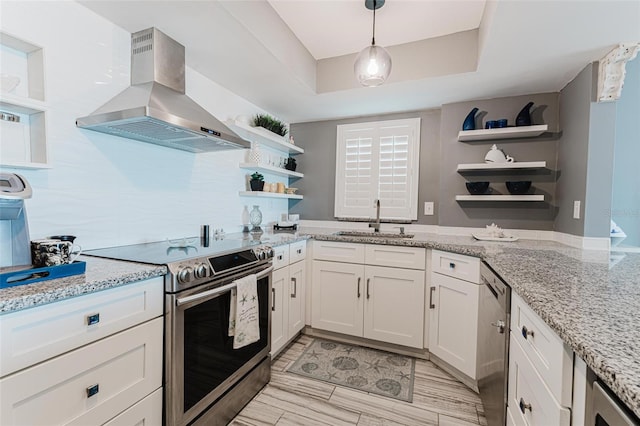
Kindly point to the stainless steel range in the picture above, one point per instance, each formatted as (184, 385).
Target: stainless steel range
(206, 381)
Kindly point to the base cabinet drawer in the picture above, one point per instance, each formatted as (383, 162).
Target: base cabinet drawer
(147, 412)
(297, 251)
(394, 256)
(34, 335)
(552, 358)
(530, 401)
(88, 386)
(459, 266)
(338, 252)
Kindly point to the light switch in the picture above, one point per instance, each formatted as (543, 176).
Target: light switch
(576, 209)
(428, 208)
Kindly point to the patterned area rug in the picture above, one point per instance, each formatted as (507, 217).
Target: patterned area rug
(369, 370)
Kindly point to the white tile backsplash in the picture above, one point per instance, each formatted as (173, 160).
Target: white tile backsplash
(108, 190)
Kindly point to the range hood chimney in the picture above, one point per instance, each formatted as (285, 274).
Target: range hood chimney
(154, 108)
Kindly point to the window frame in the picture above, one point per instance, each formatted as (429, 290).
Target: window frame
(377, 131)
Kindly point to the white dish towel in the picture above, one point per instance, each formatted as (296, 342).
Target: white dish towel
(244, 324)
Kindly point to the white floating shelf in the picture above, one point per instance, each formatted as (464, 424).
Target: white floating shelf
(16, 165)
(503, 166)
(262, 194)
(264, 137)
(499, 197)
(270, 169)
(21, 104)
(502, 133)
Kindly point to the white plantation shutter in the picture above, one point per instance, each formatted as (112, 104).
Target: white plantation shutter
(378, 160)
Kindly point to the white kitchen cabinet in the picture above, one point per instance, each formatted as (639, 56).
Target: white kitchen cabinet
(453, 302)
(394, 305)
(85, 359)
(146, 412)
(530, 401)
(288, 294)
(376, 302)
(540, 370)
(454, 322)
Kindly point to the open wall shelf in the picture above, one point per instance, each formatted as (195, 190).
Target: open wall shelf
(270, 169)
(502, 133)
(264, 137)
(503, 166)
(262, 194)
(532, 197)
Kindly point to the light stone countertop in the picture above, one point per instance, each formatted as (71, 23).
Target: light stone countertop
(101, 274)
(590, 298)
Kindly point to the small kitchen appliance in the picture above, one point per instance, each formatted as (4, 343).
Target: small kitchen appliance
(15, 249)
(207, 381)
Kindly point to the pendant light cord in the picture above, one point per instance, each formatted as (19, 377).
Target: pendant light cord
(373, 38)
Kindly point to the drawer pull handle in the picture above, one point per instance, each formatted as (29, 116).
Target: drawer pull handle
(279, 257)
(273, 299)
(299, 251)
(452, 265)
(93, 319)
(526, 332)
(359, 287)
(524, 406)
(431, 304)
(368, 279)
(295, 287)
(93, 390)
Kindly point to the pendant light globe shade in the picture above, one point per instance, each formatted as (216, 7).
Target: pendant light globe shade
(372, 66)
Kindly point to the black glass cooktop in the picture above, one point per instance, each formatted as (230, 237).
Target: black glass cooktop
(166, 252)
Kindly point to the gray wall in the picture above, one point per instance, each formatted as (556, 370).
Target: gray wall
(585, 157)
(573, 150)
(519, 215)
(318, 163)
(626, 173)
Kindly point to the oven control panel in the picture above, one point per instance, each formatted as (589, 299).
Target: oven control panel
(264, 252)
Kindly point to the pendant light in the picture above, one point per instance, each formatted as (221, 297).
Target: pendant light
(373, 64)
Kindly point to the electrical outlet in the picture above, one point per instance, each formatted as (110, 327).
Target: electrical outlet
(428, 208)
(576, 209)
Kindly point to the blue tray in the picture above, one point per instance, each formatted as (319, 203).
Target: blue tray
(34, 275)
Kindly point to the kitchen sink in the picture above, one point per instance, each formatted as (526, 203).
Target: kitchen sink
(371, 234)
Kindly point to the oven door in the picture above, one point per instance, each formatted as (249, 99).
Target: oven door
(200, 362)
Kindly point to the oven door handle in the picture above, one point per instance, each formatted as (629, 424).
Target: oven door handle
(219, 290)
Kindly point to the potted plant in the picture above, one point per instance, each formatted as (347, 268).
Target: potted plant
(272, 124)
(256, 182)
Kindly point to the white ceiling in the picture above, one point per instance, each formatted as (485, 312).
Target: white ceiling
(330, 28)
(266, 52)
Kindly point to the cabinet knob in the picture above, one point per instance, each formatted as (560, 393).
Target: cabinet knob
(524, 406)
(452, 265)
(93, 319)
(93, 390)
(526, 332)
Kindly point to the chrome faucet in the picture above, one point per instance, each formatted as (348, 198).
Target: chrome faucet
(376, 225)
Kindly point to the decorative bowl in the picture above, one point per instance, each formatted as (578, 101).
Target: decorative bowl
(477, 188)
(518, 187)
(290, 190)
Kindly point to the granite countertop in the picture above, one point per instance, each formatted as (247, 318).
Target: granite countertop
(591, 299)
(101, 274)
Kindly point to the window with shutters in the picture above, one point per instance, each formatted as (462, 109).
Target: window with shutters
(378, 161)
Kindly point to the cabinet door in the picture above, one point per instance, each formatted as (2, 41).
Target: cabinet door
(394, 305)
(279, 309)
(338, 295)
(453, 327)
(296, 297)
(146, 412)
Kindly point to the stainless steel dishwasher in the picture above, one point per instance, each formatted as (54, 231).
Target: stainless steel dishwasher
(493, 345)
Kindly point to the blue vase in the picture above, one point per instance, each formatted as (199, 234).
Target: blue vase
(524, 118)
(470, 122)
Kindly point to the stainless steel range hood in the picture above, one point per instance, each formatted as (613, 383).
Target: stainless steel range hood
(154, 108)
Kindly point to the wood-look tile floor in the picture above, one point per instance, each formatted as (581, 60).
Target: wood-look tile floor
(290, 399)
